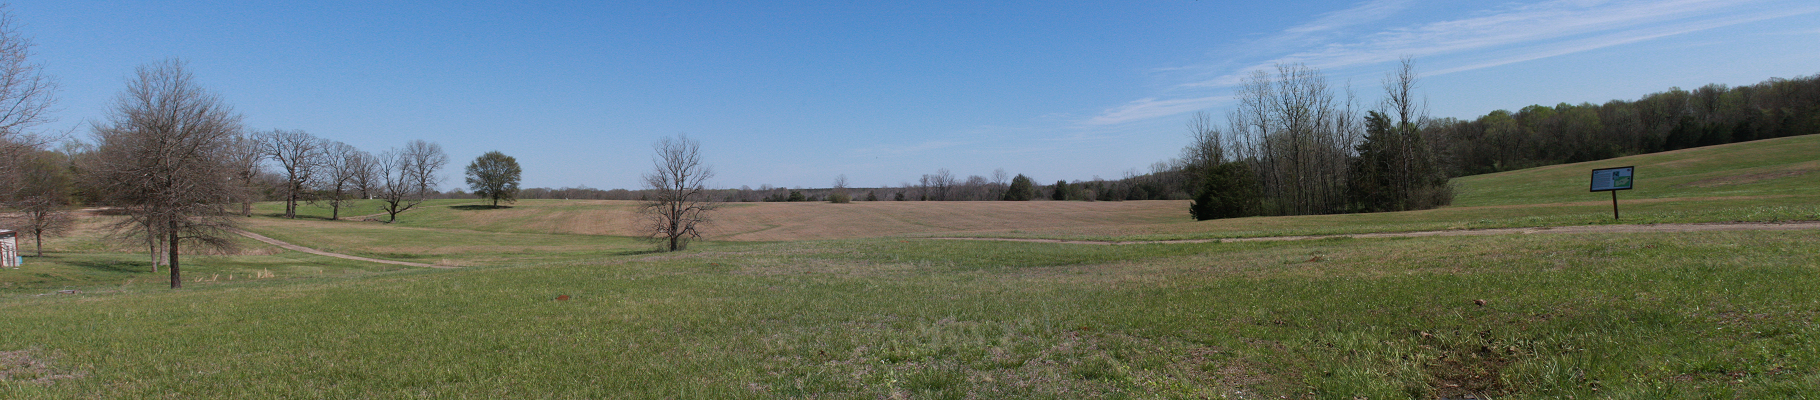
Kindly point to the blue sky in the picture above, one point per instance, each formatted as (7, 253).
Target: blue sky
(794, 93)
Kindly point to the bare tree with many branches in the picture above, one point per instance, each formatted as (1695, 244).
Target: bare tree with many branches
(679, 204)
(163, 159)
(343, 164)
(244, 157)
(407, 176)
(1297, 134)
(26, 96)
(42, 198)
(300, 157)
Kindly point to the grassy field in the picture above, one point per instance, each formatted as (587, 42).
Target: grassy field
(789, 312)
(1762, 181)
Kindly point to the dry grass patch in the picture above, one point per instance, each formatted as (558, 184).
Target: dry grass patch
(34, 367)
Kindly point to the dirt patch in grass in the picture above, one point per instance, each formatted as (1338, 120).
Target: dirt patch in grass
(31, 367)
(1741, 179)
(1459, 373)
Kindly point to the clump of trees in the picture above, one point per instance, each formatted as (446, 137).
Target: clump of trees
(494, 176)
(408, 176)
(1294, 147)
(1676, 119)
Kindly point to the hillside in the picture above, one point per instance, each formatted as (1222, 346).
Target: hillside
(1760, 181)
(1775, 167)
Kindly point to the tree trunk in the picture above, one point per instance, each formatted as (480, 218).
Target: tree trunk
(38, 239)
(151, 244)
(176, 280)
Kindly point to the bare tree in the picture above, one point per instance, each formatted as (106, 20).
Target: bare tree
(366, 175)
(408, 175)
(839, 193)
(42, 198)
(1000, 179)
(938, 186)
(343, 165)
(975, 188)
(1298, 136)
(244, 156)
(679, 202)
(300, 156)
(164, 159)
(26, 96)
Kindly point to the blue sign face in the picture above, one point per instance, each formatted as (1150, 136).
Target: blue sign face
(1612, 179)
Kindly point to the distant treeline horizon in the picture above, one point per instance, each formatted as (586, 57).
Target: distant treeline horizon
(1498, 141)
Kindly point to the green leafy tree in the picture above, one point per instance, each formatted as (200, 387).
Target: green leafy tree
(1021, 189)
(1394, 170)
(1228, 190)
(1061, 191)
(494, 176)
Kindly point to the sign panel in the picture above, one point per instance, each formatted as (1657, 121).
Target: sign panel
(1612, 178)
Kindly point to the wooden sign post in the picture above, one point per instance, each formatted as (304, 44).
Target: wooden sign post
(1612, 180)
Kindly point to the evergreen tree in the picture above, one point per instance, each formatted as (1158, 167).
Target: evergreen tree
(1021, 189)
(1227, 190)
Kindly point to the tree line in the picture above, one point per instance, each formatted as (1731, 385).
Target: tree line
(1676, 119)
(175, 160)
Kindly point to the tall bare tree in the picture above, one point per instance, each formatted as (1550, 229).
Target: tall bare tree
(300, 157)
(343, 164)
(1396, 169)
(839, 193)
(679, 204)
(244, 156)
(164, 159)
(26, 96)
(367, 175)
(42, 198)
(1298, 135)
(408, 176)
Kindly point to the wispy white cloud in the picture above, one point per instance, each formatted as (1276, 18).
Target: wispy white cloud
(1147, 108)
(1540, 30)
(1366, 12)
(1618, 38)
(1503, 35)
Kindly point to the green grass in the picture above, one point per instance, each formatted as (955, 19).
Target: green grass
(1776, 167)
(91, 260)
(1626, 316)
(1632, 316)
(455, 247)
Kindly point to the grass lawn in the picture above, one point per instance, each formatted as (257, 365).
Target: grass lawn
(1688, 315)
(540, 311)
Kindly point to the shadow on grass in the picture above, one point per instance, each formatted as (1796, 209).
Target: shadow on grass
(280, 215)
(472, 207)
(111, 265)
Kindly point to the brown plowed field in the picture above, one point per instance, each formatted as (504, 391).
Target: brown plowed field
(820, 220)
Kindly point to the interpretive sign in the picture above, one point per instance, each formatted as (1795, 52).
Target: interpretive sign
(1612, 178)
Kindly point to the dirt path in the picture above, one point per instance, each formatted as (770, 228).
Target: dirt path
(1706, 227)
(276, 242)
